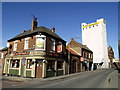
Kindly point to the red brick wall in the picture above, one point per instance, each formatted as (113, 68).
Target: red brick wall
(20, 45)
(32, 41)
(48, 47)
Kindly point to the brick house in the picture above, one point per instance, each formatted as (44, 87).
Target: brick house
(81, 57)
(111, 56)
(38, 53)
(3, 53)
(114, 63)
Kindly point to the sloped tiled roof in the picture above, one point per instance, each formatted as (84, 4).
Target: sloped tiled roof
(78, 45)
(73, 51)
(40, 29)
(4, 49)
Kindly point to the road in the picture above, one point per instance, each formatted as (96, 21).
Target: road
(94, 79)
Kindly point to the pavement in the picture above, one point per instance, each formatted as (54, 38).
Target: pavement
(24, 79)
(112, 80)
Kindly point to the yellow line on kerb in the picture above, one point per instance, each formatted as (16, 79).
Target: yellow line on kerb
(91, 24)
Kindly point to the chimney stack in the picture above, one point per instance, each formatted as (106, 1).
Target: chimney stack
(23, 31)
(72, 39)
(34, 23)
(53, 29)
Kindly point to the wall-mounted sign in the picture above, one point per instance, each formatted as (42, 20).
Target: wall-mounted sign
(23, 61)
(91, 24)
(40, 43)
(21, 53)
(82, 59)
(59, 48)
(116, 60)
(53, 54)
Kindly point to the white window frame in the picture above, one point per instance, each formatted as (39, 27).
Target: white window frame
(26, 45)
(2, 55)
(54, 45)
(29, 64)
(15, 45)
(40, 36)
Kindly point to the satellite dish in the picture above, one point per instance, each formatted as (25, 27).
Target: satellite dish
(8, 45)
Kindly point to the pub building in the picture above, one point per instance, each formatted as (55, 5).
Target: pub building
(38, 53)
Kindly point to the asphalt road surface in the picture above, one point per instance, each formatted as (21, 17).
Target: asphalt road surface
(93, 79)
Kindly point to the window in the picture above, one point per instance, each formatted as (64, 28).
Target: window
(89, 55)
(83, 54)
(52, 45)
(40, 42)
(15, 45)
(29, 63)
(1, 55)
(15, 63)
(60, 65)
(50, 65)
(26, 43)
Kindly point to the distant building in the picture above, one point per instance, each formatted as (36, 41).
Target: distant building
(94, 36)
(38, 53)
(80, 57)
(111, 56)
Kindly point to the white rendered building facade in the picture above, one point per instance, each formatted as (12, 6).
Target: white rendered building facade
(94, 36)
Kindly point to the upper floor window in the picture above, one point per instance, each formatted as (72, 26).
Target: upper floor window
(26, 43)
(1, 55)
(52, 45)
(40, 42)
(15, 45)
(89, 55)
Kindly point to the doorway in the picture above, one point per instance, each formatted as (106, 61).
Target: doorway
(39, 66)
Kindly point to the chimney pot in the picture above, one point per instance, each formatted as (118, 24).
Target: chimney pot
(34, 23)
(23, 31)
(72, 39)
(53, 29)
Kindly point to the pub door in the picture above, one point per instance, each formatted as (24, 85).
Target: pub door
(39, 67)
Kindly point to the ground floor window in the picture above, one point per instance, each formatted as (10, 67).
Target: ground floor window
(50, 65)
(29, 64)
(60, 64)
(15, 63)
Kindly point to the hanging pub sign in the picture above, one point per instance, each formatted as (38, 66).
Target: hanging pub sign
(82, 59)
(23, 61)
(21, 53)
(59, 48)
(40, 43)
